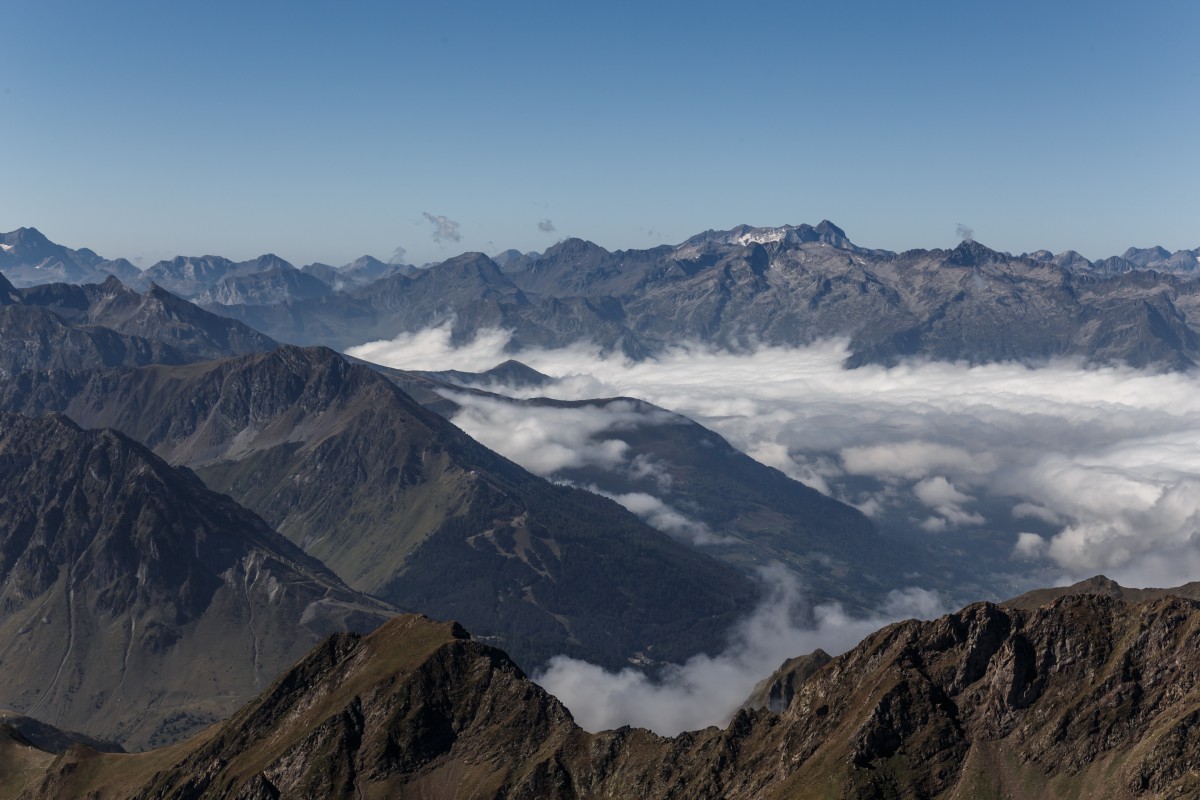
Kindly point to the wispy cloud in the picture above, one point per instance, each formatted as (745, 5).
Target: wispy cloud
(444, 228)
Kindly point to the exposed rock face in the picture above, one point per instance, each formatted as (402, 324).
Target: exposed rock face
(135, 604)
(403, 505)
(1087, 696)
(775, 692)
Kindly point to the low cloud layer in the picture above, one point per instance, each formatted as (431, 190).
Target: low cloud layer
(1080, 470)
(706, 690)
(550, 441)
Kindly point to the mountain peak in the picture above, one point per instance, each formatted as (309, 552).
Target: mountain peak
(827, 229)
(26, 236)
(573, 248)
(970, 253)
(474, 265)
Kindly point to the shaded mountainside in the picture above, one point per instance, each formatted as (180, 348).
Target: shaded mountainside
(154, 314)
(692, 483)
(402, 504)
(136, 604)
(33, 338)
(61, 326)
(1085, 697)
(51, 739)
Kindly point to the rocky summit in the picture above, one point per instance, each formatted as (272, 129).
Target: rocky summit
(1086, 696)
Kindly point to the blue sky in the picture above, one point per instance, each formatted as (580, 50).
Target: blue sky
(322, 131)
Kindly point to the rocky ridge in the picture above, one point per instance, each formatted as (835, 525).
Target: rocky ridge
(1086, 696)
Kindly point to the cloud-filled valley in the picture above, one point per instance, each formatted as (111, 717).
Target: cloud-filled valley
(1028, 475)
(1079, 470)
(707, 689)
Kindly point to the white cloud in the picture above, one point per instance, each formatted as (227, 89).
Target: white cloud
(913, 459)
(706, 690)
(546, 439)
(941, 495)
(550, 439)
(938, 491)
(1107, 459)
(431, 349)
(1029, 545)
(669, 520)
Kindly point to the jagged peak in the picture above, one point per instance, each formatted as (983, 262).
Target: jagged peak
(827, 228)
(26, 235)
(971, 253)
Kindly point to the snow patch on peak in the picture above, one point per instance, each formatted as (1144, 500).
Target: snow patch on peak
(762, 236)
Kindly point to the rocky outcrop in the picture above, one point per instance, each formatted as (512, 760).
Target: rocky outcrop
(1087, 696)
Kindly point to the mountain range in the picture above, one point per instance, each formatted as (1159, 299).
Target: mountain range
(188, 506)
(734, 289)
(1087, 695)
(65, 326)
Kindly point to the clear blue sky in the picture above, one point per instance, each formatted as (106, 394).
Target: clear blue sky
(322, 131)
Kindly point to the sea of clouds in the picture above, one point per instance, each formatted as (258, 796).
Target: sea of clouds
(1065, 468)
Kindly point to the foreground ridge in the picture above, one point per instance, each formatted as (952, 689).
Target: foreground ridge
(1085, 696)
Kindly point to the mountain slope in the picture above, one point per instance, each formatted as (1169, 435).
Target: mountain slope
(155, 315)
(687, 481)
(61, 326)
(403, 505)
(33, 338)
(1085, 697)
(135, 604)
(28, 258)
